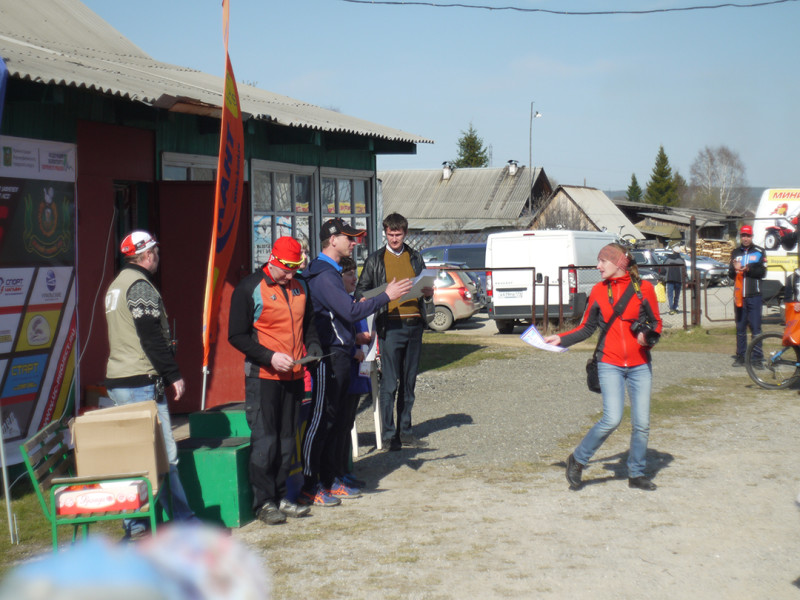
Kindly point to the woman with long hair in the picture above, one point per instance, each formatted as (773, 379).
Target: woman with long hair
(623, 359)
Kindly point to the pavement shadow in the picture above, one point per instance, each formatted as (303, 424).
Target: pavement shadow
(376, 464)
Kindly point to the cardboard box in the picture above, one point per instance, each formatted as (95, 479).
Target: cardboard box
(125, 494)
(118, 440)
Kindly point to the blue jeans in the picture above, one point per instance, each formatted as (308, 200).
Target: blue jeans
(613, 381)
(400, 351)
(180, 505)
(673, 294)
(748, 315)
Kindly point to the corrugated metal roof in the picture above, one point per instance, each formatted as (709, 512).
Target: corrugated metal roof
(600, 210)
(62, 42)
(434, 225)
(471, 194)
(682, 219)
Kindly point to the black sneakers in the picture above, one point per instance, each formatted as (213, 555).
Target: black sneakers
(270, 514)
(574, 472)
(739, 362)
(641, 483)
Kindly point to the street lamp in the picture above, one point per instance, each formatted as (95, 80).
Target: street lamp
(530, 159)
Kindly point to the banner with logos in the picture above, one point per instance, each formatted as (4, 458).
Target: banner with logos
(38, 321)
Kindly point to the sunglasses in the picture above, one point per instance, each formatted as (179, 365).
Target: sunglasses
(288, 263)
(745, 235)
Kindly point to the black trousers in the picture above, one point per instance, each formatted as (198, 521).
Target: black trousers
(328, 414)
(271, 408)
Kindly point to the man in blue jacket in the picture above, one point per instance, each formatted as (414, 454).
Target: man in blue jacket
(335, 313)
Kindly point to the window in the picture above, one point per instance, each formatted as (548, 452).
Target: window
(347, 194)
(281, 205)
(189, 167)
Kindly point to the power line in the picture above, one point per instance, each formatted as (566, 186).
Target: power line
(567, 12)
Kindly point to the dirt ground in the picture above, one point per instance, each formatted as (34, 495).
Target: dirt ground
(437, 523)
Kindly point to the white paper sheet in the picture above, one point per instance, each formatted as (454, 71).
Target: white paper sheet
(534, 338)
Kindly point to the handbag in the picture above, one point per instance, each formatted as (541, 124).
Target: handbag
(592, 377)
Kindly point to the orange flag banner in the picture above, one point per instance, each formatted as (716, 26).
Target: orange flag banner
(227, 197)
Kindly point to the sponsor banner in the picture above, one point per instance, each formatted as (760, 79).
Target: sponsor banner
(38, 331)
(36, 159)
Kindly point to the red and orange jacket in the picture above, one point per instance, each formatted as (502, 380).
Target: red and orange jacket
(266, 318)
(620, 347)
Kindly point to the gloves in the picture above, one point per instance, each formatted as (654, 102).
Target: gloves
(314, 350)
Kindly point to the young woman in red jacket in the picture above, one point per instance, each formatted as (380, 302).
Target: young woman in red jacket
(623, 357)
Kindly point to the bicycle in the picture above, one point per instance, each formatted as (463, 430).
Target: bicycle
(779, 366)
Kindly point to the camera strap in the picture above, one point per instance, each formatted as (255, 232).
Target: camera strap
(618, 309)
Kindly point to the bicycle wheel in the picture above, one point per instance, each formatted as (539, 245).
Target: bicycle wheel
(780, 366)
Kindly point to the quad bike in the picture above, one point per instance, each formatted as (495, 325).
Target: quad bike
(773, 359)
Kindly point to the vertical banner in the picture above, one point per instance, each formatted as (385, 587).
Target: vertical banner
(227, 197)
(38, 330)
(3, 80)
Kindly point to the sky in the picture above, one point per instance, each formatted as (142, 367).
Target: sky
(611, 89)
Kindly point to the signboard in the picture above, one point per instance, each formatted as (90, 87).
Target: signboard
(38, 324)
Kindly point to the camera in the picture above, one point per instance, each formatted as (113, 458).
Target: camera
(651, 336)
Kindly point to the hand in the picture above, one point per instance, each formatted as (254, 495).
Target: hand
(641, 339)
(314, 350)
(178, 389)
(359, 356)
(281, 362)
(553, 340)
(427, 292)
(397, 289)
(363, 338)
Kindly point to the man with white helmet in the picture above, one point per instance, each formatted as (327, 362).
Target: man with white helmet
(141, 361)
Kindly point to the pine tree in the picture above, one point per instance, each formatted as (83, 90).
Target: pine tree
(661, 189)
(634, 191)
(471, 151)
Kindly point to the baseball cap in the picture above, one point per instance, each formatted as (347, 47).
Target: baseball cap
(746, 229)
(338, 226)
(287, 254)
(137, 242)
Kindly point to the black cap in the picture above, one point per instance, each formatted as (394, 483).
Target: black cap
(338, 227)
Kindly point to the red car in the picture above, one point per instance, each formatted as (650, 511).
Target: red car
(455, 297)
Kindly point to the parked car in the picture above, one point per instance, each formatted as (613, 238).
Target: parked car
(472, 256)
(480, 295)
(712, 272)
(455, 298)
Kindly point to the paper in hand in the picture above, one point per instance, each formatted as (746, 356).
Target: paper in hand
(534, 338)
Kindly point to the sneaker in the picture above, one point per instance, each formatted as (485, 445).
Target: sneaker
(641, 483)
(270, 514)
(409, 439)
(292, 509)
(574, 472)
(136, 530)
(318, 496)
(353, 481)
(739, 362)
(758, 365)
(340, 489)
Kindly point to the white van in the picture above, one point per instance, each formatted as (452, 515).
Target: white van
(775, 230)
(509, 291)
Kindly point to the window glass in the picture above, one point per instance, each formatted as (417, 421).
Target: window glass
(360, 197)
(170, 173)
(433, 255)
(262, 239)
(443, 279)
(344, 190)
(203, 174)
(262, 192)
(302, 193)
(472, 257)
(329, 195)
(283, 192)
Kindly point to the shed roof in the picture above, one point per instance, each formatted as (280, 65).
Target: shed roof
(62, 42)
(600, 210)
(469, 194)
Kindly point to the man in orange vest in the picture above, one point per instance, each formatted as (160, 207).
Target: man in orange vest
(272, 324)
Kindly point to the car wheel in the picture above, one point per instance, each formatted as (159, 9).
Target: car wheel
(505, 326)
(442, 319)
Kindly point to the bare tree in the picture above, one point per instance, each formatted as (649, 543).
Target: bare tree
(718, 176)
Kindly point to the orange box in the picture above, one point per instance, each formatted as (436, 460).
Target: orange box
(125, 494)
